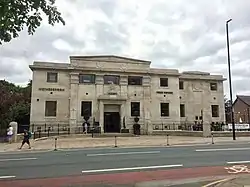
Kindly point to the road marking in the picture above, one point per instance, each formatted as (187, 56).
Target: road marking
(16, 159)
(237, 169)
(225, 149)
(217, 182)
(7, 177)
(124, 153)
(132, 168)
(238, 162)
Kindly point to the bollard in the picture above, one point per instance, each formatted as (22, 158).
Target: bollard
(115, 141)
(212, 135)
(167, 140)
(55, 144)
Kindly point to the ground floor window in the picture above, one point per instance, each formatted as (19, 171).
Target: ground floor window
(164, 109)
(135, 108)
(50, 108)
(86, 108)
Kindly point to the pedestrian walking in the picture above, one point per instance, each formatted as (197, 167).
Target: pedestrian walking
(26, 138)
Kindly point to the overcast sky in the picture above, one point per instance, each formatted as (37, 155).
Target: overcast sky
(183, 34)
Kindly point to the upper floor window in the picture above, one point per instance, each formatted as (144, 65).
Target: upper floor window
(213, 86)
(111, 79)
(87, 78)
(86, 108)
(164, 109)
(181, 85)
(50, 108)
(164, 82)
(135, 108)
(52, 77)
(215, 110)
(134, 80)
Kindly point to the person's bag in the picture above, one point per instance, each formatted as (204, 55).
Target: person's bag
(29, 134)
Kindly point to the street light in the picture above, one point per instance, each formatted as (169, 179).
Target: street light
(230, 81)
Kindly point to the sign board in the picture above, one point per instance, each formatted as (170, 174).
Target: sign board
(239, 126)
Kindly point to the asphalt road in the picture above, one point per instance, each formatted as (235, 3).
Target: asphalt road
(115, 160)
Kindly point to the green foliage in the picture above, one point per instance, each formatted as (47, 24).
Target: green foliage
(14, 15)
(14, 103)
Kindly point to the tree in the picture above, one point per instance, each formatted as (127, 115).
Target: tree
(14, 15)
(14, 104)
(227, 110)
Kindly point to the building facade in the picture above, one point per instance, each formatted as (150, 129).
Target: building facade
(241, 108)
(113, 89)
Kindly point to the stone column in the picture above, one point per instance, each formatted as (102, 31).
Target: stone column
(146, 105)
(15, 126)
(101, 116)
(74, 82)
(122, 113)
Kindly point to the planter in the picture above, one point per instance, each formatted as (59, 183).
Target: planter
(125, 131)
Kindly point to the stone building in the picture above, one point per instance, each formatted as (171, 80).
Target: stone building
(113, 88)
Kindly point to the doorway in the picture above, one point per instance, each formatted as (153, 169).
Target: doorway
(112, 122)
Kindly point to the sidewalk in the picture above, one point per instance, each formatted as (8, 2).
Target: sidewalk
(83, 141)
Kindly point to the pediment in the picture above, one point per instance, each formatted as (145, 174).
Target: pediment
(109, 58)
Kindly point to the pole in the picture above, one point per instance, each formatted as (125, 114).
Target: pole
(230, 81)
(167, 140)
(212, 138)
(248, 114)
(55, 144)
(115, 141)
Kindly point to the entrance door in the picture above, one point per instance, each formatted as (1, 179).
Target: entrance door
(112, 122)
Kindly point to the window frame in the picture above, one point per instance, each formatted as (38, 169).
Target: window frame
(162, 80)
(134, 77)
(162, 111)
(92, 78)
(213, 86)
(117, 77)
(135, 113)
(47, 112)
(182, 112)
(181, 85)
(52, 73)
(218, 111)
(90, 103)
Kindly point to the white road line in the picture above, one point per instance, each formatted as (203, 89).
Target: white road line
(133, 168)
(124, 153)
(225, 149)
(16, 159)
(7, 177)
(238, 162)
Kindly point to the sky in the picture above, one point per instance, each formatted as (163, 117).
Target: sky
(182, 34)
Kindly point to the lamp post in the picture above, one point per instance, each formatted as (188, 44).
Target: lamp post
(230, 81)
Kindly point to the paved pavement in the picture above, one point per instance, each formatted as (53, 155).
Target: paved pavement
(82, 141)
(127, 166)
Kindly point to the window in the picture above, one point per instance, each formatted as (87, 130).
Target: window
(213, 86)
(164, 82)
(52, 77)
(111, 79)
(181, 85)
(215, 110)
(87, 78)
(134, 80)
(50, 108)
(86, 109)
(164, 109)
(135, 108)
(182, 110)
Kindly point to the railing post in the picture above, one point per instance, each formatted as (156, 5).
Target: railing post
(115, 141)
(167, 139)
(45, 127)
(55, 144)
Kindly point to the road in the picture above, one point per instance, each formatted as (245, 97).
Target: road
(114, 163)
